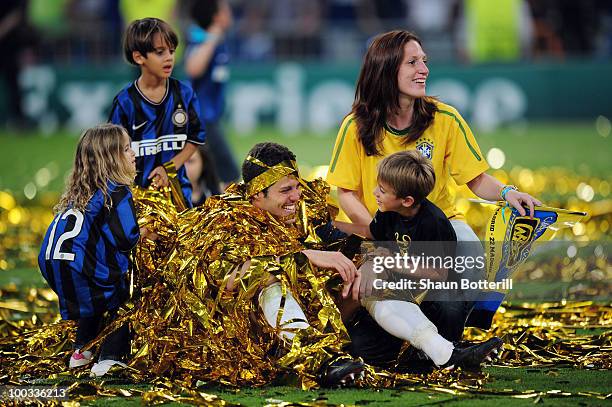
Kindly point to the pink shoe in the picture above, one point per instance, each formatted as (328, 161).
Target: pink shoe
(79, 359)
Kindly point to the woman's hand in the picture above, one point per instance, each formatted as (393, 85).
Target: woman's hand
(517, 199)
(487, 187)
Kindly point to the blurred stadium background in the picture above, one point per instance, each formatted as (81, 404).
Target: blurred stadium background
(531, 77)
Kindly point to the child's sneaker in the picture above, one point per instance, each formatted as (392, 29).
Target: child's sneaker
(103, 366)
(79, 359)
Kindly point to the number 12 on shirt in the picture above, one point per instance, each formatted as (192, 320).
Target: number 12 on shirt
(78, 224)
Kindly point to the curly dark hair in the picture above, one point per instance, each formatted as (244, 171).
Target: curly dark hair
(270, 154)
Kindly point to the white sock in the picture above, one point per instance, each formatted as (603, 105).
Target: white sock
(270, 301)
(405, 320)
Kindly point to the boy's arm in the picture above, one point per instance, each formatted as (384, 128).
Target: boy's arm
(184, 155)
(195, 136)
(435, 274)
(353, 229)
(415, 269)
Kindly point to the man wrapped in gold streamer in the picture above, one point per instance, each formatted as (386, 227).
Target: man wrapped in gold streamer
(245, 285)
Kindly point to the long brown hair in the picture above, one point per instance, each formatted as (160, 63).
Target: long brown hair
(99, 159)
(377, 93)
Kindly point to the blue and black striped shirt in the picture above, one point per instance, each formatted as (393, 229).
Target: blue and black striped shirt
(85, 254)
(159, 131)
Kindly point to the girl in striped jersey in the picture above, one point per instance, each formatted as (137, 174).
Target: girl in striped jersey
(85, 253)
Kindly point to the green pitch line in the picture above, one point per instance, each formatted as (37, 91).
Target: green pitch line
(500, 379)
(575, 146)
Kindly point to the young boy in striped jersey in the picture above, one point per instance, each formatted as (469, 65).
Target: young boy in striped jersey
(160, 113)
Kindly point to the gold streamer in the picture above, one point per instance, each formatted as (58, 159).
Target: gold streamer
(182, 330)
(270, 176)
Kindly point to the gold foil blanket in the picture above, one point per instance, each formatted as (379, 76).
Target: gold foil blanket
(188, 329)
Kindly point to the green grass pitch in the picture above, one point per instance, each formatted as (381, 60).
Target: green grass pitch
(575, 146)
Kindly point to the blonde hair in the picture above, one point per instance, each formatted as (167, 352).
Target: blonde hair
(99, 159)
(408, 173)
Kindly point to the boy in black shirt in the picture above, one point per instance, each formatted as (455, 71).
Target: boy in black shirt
(406, 217)
(404, 213)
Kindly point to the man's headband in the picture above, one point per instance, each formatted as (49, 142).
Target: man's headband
(270, 176)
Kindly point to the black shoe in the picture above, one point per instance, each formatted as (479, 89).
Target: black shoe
(415, 361)
(341, 372)
(472, 356)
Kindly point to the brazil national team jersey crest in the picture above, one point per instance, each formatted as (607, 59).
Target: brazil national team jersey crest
(159, 131)
(425, 147)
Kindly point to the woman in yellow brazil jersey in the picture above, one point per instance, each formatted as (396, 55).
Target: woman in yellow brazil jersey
(392, 113)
